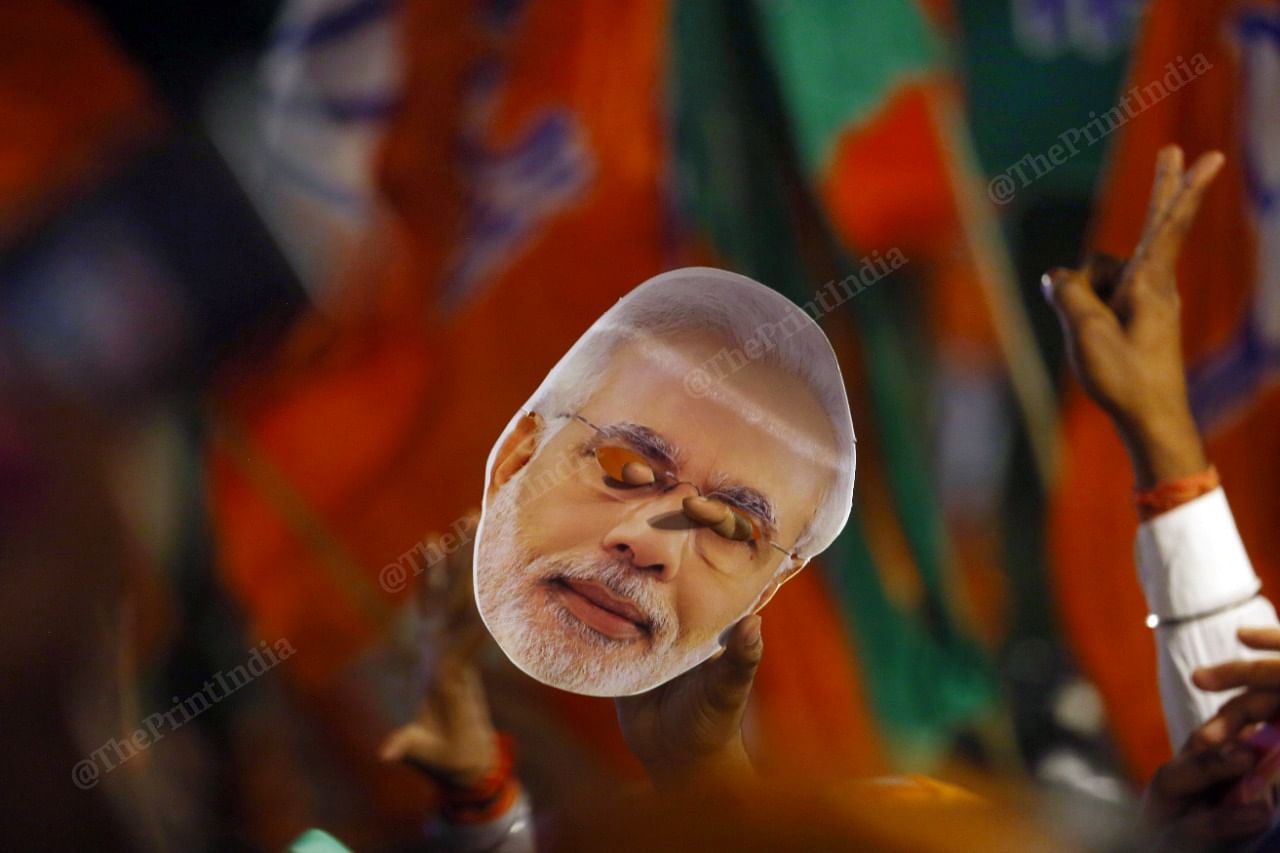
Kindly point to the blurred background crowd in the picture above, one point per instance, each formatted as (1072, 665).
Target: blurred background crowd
(274, 276)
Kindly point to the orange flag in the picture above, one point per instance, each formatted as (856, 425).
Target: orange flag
(522, 183)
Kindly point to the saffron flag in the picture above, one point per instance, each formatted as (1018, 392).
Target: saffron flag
(522, 188)
(1205, 75)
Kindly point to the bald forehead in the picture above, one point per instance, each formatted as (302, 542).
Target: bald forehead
(657, 371)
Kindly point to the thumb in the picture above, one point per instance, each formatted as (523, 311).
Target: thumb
(729, 677)
(1071, 294)
(400, 743)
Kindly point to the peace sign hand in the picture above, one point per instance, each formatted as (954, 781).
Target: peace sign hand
(1121, 322)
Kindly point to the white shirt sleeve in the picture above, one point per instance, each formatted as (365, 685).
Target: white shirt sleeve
(1191, 562)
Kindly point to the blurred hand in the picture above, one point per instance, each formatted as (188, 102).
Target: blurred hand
(691, 727)
(452, 738)
(1122, 326)
(1185, 795)
(1184, 801)
(1259, 703)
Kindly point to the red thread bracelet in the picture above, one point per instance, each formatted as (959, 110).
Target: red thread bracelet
(489, 797)
(1166, 496)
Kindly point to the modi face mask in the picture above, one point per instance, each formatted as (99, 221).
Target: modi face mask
(688, 455)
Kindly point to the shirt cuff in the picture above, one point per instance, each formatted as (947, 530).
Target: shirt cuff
(1191, 560)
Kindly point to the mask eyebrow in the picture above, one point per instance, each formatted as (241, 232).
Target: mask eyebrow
(749, 500)
(643, 440)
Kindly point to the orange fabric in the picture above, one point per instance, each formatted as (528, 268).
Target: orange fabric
(892, 185)
(810, 707)
(915, 788)
(897, 813)
(373, 424)
(1092, 527)
(57, 128)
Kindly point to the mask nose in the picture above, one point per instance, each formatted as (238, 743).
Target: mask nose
(646, 547)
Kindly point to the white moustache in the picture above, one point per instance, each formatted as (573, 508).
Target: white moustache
(618, 577)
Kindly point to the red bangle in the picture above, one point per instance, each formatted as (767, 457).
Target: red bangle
(488, 798)
(1165, 496)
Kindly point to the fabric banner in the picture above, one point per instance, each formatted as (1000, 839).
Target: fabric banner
(890, 569)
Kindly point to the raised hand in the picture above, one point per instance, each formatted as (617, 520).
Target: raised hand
(1186, 795)
(1121, 321)
(691, 727)
(452, 738)
(1260, 701)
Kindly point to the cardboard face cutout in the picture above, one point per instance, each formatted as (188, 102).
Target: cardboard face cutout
(690, 453)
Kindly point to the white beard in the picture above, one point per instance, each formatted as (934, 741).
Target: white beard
(546, 641)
